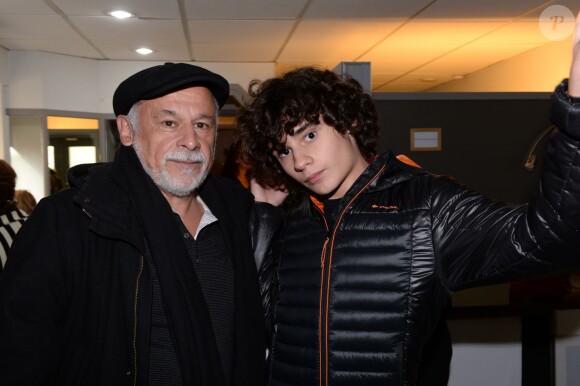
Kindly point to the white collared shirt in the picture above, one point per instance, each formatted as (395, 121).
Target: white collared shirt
(206, 219)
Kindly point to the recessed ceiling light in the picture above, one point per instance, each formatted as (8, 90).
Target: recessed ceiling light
(458, 76)
(144, 51)
(428, 79)
(121, 14)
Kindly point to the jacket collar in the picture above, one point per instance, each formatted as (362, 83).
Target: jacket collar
(102, 193)
(388, 170)
(384, 171)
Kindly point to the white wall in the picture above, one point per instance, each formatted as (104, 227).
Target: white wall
(567, 347)
(3, 66)
(486, 352)
(39, 80)
(28, 155)
(4, 137)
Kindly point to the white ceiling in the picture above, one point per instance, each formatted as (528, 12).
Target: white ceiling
(412, 45)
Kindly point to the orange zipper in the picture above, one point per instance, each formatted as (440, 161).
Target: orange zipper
(326, 265)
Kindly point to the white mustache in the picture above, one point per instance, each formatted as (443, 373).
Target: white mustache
(182, 156)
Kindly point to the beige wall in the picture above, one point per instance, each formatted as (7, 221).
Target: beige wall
(538, 70)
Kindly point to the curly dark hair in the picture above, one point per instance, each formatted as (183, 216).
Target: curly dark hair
(303, 95)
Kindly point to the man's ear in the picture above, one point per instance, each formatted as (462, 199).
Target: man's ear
(126, 133)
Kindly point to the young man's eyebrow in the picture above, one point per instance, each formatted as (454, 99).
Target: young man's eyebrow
(302, 127)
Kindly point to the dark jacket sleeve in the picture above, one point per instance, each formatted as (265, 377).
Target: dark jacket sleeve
(478, 241)
(32, 302)
(565, 111)
(265, 225)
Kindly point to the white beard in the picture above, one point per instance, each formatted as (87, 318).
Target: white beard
(171, 185)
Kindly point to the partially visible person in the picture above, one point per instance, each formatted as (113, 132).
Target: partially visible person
(364, 271)
(235, 167)
(11, 217)
(24, 200)
(56, 184)
(143, 271)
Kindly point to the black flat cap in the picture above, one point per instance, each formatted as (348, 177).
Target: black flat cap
(157, 81)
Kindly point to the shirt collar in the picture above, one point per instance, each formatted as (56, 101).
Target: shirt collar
(206, 219)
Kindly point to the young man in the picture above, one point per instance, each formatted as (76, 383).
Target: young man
(366, 269)
(142, 273)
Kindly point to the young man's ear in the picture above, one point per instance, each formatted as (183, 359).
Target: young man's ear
(125, 130)
(353, 125)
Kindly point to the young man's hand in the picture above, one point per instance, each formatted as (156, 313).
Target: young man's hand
(274, 196)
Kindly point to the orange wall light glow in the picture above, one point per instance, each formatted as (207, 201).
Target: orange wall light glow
(68, 123)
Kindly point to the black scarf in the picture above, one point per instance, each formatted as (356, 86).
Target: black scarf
(187, 313)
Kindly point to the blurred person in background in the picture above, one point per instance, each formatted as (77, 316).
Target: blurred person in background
(11, 217)
(24, 200)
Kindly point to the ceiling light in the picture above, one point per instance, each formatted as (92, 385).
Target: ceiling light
(428, 79)
(144, 51)
(121, 14)
(458, 76)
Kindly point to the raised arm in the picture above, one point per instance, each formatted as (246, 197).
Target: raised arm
(274, 196)
(484, 242)
(574, 82)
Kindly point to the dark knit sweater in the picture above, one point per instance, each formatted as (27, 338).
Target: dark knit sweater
(215, 273)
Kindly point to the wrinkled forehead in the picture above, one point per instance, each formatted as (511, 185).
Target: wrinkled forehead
(194, 100)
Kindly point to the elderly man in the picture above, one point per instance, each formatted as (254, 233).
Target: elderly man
(142, 272)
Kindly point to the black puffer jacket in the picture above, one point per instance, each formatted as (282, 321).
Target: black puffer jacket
(358, 299)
